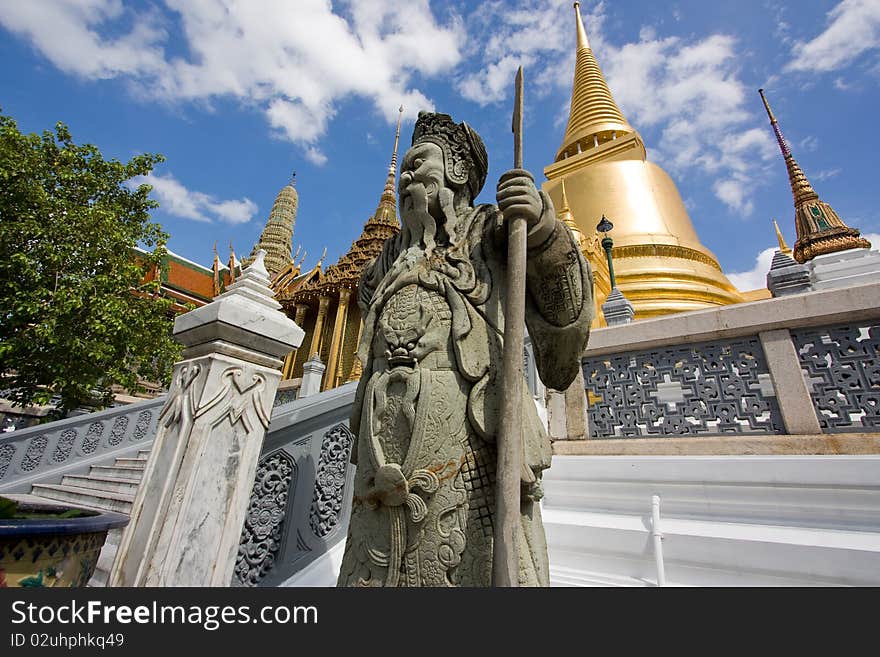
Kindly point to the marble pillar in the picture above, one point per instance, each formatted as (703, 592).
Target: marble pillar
(187, 516)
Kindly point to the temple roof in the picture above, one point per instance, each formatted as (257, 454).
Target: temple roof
(383, 224)
(276, 237)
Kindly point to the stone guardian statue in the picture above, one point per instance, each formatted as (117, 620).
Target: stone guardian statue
(427, 407)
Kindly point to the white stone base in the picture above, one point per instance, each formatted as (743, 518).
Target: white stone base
(844, 269)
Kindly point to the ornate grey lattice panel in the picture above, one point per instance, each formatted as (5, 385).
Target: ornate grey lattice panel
(842, 367)
(330, 480)
(64, 446)
(707, 388)
(34, 453)
(118, 431)
(262, 534)
(284, 397)
(6, 454)
(142, 424)
(93, 437)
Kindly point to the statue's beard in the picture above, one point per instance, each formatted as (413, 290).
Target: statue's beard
(420, 224)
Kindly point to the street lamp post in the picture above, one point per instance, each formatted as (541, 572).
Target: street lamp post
(603, 227)
(617, 309)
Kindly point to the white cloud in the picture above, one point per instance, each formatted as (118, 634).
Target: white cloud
(294, 60)
(809, 144)
(688, 90)
(756, 277)
(853, 28)
(177, 200)
(826, 174)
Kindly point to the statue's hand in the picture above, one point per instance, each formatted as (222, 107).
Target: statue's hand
(517, 196)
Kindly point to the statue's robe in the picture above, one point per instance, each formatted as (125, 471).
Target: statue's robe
(428, 403)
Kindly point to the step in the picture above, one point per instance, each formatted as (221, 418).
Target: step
(93, 499)
(144, 453)
(117, 471)
(133, 462)
(92, 482)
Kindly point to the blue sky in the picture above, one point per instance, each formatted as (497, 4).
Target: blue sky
(238, 94)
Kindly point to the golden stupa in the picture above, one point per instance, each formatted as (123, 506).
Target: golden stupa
(659, 263)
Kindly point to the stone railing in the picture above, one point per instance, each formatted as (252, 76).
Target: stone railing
(802, 364)
(302, 492)
(46, 452)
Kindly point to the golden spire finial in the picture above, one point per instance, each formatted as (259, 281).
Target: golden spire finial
(582, 41)
(216, 256)
(594, 117)
(388, 192)
(783, 247)
(323, 255)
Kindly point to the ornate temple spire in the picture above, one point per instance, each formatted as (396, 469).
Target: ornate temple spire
(276, 237)
(565, 216)
(388, 194)
(594, 117)
(819, 229)
(783, 247)
(346, 272)
(232, 263)
(215, 267)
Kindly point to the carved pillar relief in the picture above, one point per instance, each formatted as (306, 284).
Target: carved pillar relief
(330, 380)
(187, 516)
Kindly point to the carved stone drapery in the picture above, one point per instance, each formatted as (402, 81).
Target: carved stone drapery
(330, 480)
(263, 530)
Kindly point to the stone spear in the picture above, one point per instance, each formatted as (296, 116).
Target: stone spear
(505, 552)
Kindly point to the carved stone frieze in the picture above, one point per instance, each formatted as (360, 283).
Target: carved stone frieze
(330, 480)
(64, 446)
(263, 530)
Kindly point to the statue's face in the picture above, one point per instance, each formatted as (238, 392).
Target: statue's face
(422, 165)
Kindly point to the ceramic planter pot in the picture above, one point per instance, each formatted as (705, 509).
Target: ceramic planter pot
(48, 552)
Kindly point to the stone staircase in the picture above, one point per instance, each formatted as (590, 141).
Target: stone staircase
(106, 487)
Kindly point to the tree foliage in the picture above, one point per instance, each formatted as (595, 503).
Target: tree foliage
(76, 315)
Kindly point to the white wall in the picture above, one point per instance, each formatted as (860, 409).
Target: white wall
(726, 520)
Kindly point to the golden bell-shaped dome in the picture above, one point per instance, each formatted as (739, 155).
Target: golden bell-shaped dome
(659, 262)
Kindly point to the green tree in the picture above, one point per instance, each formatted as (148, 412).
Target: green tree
(76, 315)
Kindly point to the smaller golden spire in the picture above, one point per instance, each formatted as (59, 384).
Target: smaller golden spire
(321, 259)
(819, 229)
(783, 247)
(565, 216)
(231, 263)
